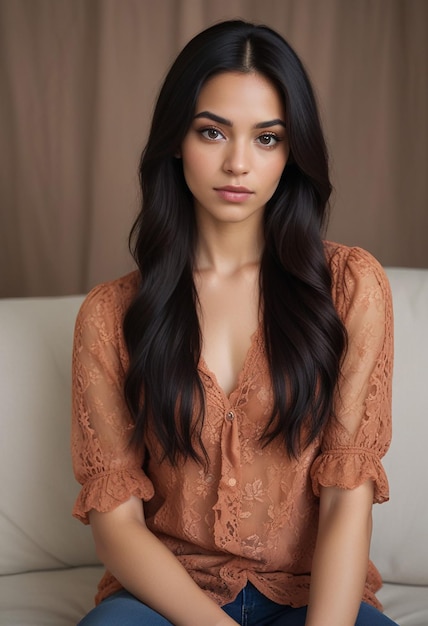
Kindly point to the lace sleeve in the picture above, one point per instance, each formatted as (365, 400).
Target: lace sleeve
(359, 433)
(107, 468)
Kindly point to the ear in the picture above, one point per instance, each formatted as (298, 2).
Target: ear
(177, 154)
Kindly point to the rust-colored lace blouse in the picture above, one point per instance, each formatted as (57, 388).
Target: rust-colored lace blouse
(253, 514)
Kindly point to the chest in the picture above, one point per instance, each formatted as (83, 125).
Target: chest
(229, 317)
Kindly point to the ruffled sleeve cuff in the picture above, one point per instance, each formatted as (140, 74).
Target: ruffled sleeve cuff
(348, 469)
(106, 491)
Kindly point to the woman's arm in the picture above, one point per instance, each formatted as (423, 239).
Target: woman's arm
(113, 483)
(341, 555)
(148, 570)
(348, 475)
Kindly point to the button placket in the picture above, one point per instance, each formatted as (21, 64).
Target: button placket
(226, 527)
(230, 417)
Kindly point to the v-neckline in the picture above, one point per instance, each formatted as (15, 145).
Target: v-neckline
(248, 358)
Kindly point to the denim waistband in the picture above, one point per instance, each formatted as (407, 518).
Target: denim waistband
(252, 608)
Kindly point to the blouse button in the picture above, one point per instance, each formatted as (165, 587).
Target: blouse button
(230, 416)
(232, 482)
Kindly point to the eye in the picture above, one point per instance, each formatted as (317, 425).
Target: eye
(213, 134)
(268, 139)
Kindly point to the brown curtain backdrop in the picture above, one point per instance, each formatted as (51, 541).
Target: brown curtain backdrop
(78, 79)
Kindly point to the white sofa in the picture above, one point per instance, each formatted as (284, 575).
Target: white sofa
(48, 566)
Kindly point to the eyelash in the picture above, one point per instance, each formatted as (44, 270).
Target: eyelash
(208, 129)
(271, 135)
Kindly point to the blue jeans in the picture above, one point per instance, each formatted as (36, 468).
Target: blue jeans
(251, 608)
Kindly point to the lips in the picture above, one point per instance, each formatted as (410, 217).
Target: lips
(232, 193)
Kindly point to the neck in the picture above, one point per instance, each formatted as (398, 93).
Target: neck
(227, 248)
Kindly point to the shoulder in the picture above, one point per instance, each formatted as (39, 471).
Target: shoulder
(108, 302)
(355, 273)
(345, 260)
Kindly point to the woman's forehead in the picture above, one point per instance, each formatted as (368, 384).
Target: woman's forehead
(233, 94)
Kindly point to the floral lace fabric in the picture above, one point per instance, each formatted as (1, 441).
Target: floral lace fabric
(252, 515)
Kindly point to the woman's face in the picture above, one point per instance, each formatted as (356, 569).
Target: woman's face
(236, 148)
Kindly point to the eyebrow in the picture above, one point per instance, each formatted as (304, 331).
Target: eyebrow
(226, 122)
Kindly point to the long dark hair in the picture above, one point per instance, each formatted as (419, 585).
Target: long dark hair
(304, 337)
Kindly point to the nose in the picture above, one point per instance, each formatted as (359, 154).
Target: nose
(237, 158)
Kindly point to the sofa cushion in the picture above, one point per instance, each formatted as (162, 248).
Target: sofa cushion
(38, 486)
(405, 604)
(399, 545)
(50, 598)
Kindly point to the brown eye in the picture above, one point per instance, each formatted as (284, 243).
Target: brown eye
(268, 139)
(211, 133)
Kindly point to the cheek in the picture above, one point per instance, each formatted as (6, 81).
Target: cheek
(191, 174)
(271, 169)
(274, 173)
(195, 165)
(278, 168)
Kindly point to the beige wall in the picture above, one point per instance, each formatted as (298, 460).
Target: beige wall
(77, 83)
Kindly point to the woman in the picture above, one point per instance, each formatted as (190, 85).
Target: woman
(232, 396)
